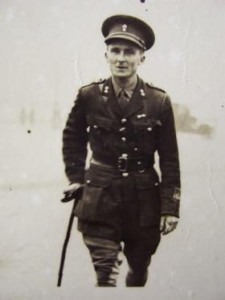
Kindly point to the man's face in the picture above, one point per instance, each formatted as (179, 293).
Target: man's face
(123, 58)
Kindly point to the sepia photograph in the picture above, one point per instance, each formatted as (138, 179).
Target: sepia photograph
(112, 122)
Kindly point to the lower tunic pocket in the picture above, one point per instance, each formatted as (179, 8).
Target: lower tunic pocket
(89, 206)
(148, 200)
(92, 206)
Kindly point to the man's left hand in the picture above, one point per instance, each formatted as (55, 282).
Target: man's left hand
(168, 224)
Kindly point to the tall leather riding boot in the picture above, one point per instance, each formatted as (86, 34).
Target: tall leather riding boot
(137, 278)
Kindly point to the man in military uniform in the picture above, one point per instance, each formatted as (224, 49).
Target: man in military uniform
(125, 204)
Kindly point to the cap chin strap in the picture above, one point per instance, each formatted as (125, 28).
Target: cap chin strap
(127, 34)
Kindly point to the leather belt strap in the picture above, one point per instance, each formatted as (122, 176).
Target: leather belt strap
(124, 163)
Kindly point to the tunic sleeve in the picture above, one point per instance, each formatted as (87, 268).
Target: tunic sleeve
(169, 162)
(75, 141)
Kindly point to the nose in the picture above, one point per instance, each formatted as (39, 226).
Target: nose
(121, 56)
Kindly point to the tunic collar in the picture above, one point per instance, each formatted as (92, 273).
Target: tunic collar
(129, 90)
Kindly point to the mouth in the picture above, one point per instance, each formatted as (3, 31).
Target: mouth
(121, 68)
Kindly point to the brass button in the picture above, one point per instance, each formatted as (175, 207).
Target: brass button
(124, 120)
(125, 174)
(88, 181)
(123, 139)
(149, 128)
(95, 126)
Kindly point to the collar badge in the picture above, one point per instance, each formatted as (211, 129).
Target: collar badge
(142, 92)
(106, 89)
(124, 27)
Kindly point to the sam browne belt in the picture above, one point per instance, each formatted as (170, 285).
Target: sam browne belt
(124, 163)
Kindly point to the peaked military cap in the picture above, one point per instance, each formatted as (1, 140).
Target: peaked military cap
(129, 28)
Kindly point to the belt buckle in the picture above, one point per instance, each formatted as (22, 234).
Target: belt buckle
(123, 163)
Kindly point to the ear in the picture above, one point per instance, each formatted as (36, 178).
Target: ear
(142, 59)
(106, 56)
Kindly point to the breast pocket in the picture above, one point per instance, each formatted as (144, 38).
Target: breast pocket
(99, 124)
(92, 206)
(100, 131)
(148, 199)
(145, 132)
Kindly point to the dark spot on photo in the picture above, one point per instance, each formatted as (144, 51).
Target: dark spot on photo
(28, 131)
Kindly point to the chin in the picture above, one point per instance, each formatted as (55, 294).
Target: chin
(121, 75)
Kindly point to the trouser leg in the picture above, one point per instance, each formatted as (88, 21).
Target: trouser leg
(138, 258)
(138, 252)
(104, 254)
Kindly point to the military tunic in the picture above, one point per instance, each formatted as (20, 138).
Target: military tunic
(125, 144)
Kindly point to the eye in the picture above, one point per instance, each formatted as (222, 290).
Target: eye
(129, 51)
(115, 50)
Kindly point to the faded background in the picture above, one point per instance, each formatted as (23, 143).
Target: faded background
(48, 49)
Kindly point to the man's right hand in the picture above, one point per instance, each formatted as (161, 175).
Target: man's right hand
(70, 191)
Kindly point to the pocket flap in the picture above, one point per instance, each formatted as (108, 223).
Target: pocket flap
(95, 176)
(99, 122)
(146, 181)
(146, 124)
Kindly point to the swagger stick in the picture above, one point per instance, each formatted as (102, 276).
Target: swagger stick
(76, 196)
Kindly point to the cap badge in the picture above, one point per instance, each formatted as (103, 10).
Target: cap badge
(124, 27)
